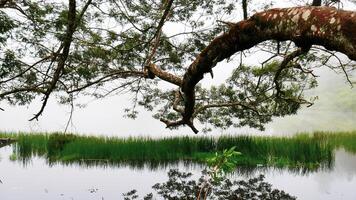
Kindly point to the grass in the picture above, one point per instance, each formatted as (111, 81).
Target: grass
(301, 151)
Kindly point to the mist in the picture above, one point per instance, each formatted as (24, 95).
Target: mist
(334, 109)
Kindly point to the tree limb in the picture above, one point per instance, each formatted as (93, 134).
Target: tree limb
(151, 69)
(284, 64)
(244, 9)
(334, 29)
(220, 105)
(62, 57)
(316, 3)
(108, 77)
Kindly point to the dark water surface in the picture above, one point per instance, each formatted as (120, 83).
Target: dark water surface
(39, 181)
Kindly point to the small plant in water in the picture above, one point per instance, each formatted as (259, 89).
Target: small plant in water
(213, 184)
(219, 165)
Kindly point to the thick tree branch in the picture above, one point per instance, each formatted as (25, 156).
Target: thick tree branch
(334, 29)
(169, 77)
(316, 3)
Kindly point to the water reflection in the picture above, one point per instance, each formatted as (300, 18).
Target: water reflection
(324, 164)
(39, 180)
(26, 157)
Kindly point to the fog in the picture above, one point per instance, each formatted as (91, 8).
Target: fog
(335, 110)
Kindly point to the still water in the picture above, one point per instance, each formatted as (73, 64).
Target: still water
(39, 181)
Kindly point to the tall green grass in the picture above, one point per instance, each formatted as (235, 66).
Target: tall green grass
(301, 151)
(346, 140)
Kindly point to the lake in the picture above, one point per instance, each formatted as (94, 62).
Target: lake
(38, 180)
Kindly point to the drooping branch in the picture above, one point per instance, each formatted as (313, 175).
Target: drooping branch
(27, 69)
(284, 64)
(168, 6)
(244, 9)
(63, 56)
(227, 104)
(305, 26)
(36, 89)
(177, 100)
(340, 65)
(108, 77)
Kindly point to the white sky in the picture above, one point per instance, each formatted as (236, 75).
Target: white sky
(105, 117)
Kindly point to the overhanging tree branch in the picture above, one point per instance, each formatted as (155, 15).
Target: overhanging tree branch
(334, 29)
(102, 53)
(63, 56)
(73, 20)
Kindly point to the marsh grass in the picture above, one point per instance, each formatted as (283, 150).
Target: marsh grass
(346, 140)
(310, 151)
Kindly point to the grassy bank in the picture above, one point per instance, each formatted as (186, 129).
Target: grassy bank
(305, 150)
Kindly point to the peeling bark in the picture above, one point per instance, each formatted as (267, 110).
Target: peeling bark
(326, 26)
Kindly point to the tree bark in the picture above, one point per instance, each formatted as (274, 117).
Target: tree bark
(316, 3)
(326, 26)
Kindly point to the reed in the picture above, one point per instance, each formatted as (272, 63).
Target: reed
(303, 150)
(346, 140)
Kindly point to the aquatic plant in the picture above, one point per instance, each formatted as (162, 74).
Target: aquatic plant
(304, 151)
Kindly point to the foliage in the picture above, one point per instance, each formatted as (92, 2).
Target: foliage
(222, 163)
(213, 184)
(250, 86)
(113, 43)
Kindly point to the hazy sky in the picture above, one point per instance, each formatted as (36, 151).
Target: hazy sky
(335, 110)
(106, 116)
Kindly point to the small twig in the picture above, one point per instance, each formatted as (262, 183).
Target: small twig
(113, 75)
(70, 114)
(305, 71)
(342, 65)
(347, 76)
